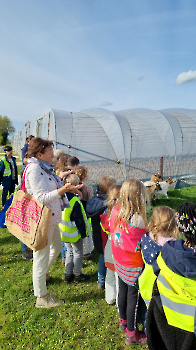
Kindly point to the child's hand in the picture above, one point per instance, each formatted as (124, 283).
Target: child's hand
(63, 174)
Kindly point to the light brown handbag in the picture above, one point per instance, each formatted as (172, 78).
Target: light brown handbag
(28, 220)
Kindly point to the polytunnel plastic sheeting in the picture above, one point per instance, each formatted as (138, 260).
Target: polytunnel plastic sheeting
(63, 129)
(127, 135)
(114, 129)
(149, 130)
(43, 127)
(33, 127)
(92, 134)
(90, 139)
(16, 141)
(187, 121)
(175, 138)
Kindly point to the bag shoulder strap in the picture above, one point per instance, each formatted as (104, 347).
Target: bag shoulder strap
(23, 179)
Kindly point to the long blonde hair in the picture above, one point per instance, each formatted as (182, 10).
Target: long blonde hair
(132, 201)
(163, 222)
(113, 197)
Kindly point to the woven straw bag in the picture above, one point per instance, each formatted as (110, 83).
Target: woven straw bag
(28, 220)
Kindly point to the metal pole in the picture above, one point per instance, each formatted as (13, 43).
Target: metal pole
(161, 166)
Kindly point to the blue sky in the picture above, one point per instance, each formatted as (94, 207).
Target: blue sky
(77, 54)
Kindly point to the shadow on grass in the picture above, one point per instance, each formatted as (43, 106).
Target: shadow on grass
(59, 280)
(8, 238)
(81, 295)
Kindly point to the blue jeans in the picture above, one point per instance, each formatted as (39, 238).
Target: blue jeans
(25, 249)
(101, 270)
(74, 258)
(63, 251)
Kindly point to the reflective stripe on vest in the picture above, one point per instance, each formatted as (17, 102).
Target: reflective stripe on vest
(104, 229)
(178, 298)
(7, 169)
(146, 282)
(68, 229)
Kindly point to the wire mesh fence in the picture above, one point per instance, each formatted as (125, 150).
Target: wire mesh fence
(143, 168)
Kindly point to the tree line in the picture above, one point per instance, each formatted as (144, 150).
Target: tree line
(6, 128)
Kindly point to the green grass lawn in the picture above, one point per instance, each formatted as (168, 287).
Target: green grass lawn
(84, 321)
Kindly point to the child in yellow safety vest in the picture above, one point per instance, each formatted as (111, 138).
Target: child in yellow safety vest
(74, 228)
(162, 228)
(171, 317)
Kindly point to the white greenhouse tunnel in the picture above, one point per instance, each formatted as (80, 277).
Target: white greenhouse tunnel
(128, 142)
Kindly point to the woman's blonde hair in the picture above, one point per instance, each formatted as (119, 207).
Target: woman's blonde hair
(132, 201)
(163, 222)
(113, 197)
(81, 171)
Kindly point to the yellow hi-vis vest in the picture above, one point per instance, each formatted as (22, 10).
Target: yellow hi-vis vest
(146, 282)
(68, 228)
(178, 297)
(7, 170)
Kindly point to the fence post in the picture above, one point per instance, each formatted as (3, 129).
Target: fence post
(161, 166)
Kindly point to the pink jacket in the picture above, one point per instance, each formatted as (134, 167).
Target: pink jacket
(127, 258)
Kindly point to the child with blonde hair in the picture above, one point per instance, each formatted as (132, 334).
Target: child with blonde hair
(162, 228)
(162, 225)
(111, 280)
(61, 166)
(127, 226)
(171, 312)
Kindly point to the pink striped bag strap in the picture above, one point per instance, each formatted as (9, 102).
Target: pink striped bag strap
(22, 187)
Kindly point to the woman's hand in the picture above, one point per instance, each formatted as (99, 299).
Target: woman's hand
(69, 187)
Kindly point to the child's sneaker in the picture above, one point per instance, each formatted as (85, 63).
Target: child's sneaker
(69, 278)
(141, 335)
(130, 337)
(135, 337)
(81, 278)
(27, 256)
(101, 286)
(122, 325)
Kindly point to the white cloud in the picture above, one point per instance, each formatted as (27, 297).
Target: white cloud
(184, 77)
(106, 103)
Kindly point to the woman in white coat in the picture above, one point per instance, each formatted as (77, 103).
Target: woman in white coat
(42, 182)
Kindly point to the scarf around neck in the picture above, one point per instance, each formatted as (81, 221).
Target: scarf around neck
(49, 169)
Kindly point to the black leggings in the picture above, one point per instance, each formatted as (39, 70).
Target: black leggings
(127, 302)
